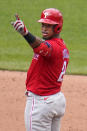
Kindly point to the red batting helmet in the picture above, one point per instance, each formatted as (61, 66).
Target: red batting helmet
(54, 17)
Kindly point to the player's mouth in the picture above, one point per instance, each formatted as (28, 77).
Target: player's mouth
(45, 34)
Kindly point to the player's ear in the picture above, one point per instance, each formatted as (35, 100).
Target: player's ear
(56, 28)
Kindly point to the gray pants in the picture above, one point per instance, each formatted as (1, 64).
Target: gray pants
(43, 113)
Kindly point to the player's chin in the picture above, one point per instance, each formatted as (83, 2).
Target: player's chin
(46, 37)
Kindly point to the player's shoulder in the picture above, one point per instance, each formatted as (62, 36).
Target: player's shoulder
(56, 42)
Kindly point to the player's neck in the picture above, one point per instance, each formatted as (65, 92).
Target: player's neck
(56, 36)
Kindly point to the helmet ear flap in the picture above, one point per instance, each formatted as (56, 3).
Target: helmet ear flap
(57, 29)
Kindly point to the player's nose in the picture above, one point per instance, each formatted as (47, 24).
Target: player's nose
(44, 28)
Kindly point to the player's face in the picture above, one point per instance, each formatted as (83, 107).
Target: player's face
(47, 31)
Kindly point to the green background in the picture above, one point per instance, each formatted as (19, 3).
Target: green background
(15, 53)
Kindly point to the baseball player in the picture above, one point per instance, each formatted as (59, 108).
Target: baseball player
(45, 104)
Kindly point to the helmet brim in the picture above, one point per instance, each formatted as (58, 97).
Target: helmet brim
(47, 21)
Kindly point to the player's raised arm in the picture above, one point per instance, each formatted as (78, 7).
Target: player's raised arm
(20, 27)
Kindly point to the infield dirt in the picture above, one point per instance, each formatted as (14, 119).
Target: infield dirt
(13, 100)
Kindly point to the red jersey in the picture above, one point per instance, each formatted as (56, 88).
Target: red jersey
(48, 66)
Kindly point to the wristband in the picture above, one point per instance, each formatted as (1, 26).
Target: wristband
(30, 38)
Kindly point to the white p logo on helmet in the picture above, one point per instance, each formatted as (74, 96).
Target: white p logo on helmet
(46, 14)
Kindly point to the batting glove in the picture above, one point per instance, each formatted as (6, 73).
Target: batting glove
(19, 26)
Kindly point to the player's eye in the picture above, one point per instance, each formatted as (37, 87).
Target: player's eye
(46, 25)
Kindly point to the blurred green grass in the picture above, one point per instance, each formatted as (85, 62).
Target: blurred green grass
(15, 53)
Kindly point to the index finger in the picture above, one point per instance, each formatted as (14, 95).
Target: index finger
(17, 17)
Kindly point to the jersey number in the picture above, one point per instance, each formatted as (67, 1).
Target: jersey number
(62, 73)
